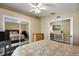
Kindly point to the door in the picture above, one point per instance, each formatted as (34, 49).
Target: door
(68, 35)
(66, 31)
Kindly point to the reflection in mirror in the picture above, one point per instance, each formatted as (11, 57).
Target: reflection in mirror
(18, 31)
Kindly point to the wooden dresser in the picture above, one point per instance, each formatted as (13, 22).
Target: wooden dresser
(38, 36)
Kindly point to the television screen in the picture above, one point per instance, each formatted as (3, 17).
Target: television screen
(56, 27)
(4, 36)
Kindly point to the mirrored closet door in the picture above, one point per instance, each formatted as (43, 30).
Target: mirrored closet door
(18, 31)
(14, 32)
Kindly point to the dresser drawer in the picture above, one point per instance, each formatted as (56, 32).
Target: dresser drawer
(38, 36)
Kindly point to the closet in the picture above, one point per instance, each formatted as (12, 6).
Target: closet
(17, 32)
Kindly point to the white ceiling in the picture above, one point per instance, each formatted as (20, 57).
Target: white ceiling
(50, 8)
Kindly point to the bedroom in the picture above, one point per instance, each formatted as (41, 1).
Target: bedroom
(39, 24)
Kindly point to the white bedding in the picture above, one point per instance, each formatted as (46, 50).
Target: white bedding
(46, 48)
(16, 36)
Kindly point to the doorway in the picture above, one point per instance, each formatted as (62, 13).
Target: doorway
(61, 30)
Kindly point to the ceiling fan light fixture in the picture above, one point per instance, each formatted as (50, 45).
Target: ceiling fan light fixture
(37, 8)
(37, 11)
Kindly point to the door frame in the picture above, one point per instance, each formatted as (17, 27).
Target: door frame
(71, 27)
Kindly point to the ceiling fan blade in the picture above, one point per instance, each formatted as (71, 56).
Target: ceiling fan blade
(31, 5)
(42, 8)
(39, 5)
(32, 10)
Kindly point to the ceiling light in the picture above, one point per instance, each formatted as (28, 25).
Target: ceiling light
(37, 11)
(37, 8)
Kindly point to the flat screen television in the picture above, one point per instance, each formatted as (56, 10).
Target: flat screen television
(4, 36)
(56, 27)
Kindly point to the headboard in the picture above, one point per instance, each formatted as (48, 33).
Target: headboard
(13, 31)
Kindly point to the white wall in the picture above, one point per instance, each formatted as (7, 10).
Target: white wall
(44, 27)
(15, 26)
(75, 15)
(11, 26)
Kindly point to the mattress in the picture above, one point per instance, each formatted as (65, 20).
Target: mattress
(46, 48)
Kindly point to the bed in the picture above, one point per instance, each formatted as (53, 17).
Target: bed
(46, 48)
(15, 36)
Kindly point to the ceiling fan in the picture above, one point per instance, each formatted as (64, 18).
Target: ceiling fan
(36, 8)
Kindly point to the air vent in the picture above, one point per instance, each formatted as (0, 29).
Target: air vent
(52, 13)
